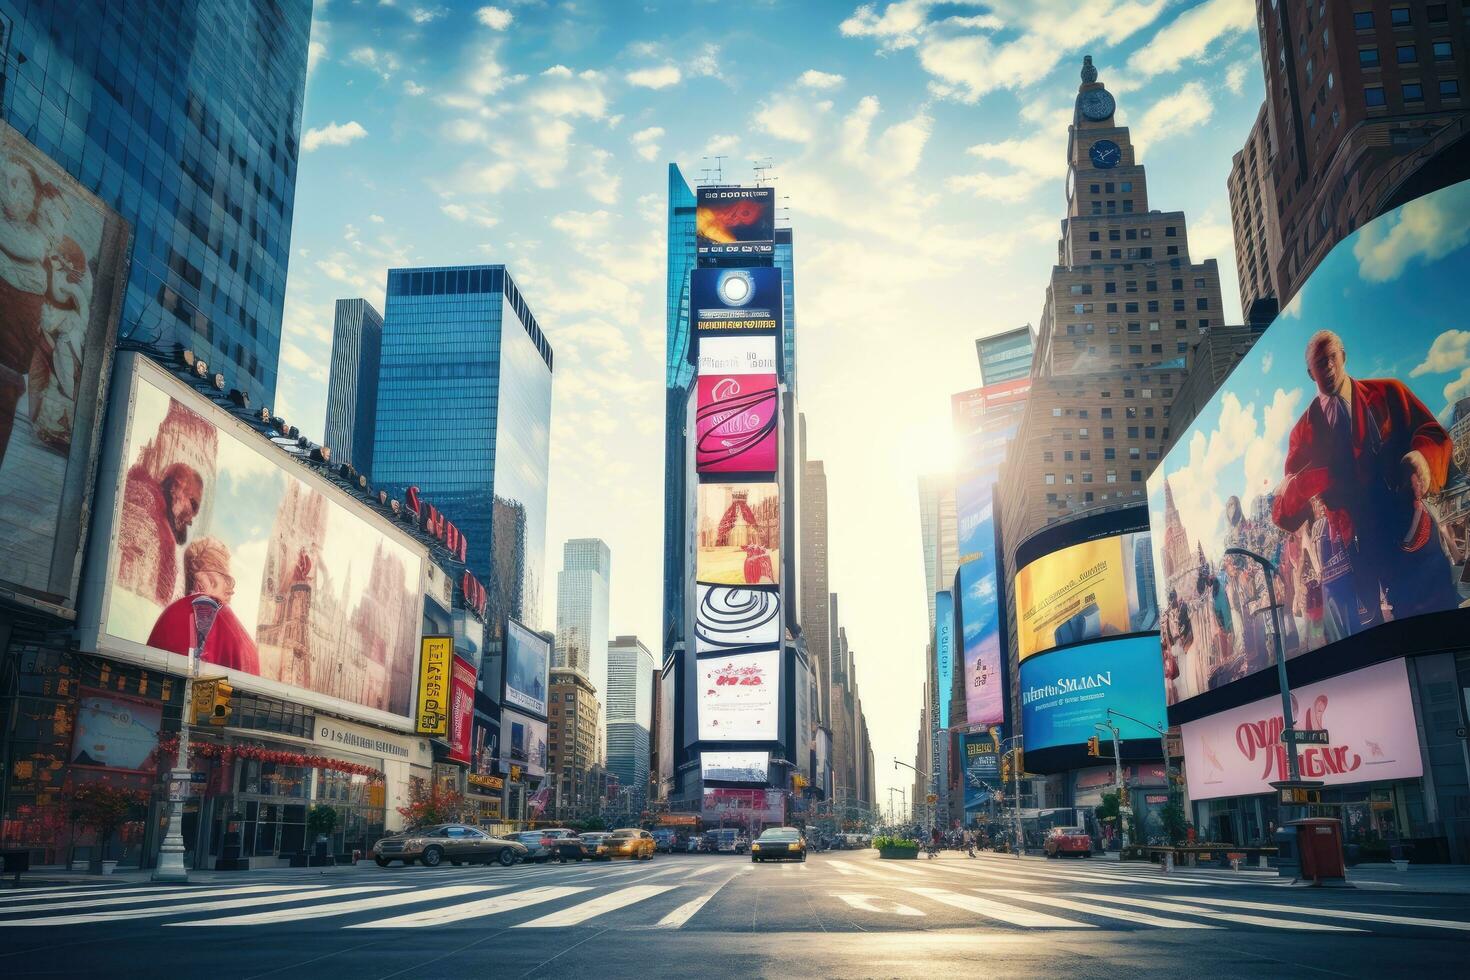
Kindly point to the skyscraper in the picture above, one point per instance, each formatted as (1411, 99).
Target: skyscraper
(629, 707)
(186, 118)
(785, 260)
(352, 392)
(464, 413)
(581, 609)
(1005, 356)
(678, 376)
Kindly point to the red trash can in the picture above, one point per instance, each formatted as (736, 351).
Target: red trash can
(1319, 841)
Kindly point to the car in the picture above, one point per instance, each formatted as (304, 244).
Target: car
(593, 839)
(456, 843)
(1068, 840)
(694, 844)
(726, 840)
(537, 844)
(778, 844)
(664, 840)
(567, 845)
(628, 842)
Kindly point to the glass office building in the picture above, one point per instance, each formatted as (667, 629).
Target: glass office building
(628, 704)
(582, 588)
(352, 390)
(679, 375)
(464, 414)
(184, 116)
(785, 260)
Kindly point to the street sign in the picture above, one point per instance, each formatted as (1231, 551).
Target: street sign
(1301, 797)
(198, 777)
(1306, 736)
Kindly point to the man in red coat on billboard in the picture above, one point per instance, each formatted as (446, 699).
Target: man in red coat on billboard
(1371, 451)
(207, 572)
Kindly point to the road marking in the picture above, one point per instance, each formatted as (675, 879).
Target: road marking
(896, 867)
(1130, 915)
(702, 871)
(472, 910)
(342, 908)
(1100, 878)
(98, 902)
(842, 869)
(685, 912)
(1405, 920)
(1015, 915)
(601, 905)
(188, 907)
(27, 894)
(1250, 920)
(852, 869)
(867, 903)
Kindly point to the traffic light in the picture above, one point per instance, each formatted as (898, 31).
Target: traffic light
(212, 701)
(1005, 768)
(1093, 749)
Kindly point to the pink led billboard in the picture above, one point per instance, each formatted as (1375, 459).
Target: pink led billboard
(735, 423)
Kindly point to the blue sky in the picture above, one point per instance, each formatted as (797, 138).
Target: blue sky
(919, 149)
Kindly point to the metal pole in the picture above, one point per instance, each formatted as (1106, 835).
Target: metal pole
(1118, 775)
(1290, 732)
(171, 852)
(1016, 806)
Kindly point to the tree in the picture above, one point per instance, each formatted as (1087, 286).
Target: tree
(103, 808)
(321, 820)
(429, 805)
(1175, 825)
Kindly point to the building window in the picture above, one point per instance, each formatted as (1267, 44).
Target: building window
(1399, 17)
(1137, 476)
(1093, 236)
(1438, 13)
(1096, 254)
(1051, 498)
(1050, 479)
(1202, 303)
(1068, 479)
(1363, 20)
(1413, 92)
(1112, 476)
(1170, 231)
(1443, 51)
(1368, 57)
(1107, 432)
(1449, 88)
(1407, 54)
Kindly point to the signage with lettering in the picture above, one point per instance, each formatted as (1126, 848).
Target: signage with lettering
(480, 781)
(432, 710)
(329, 731)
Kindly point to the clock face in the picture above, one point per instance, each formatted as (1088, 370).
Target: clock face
(1105, 154)
(1071, 182)
(1096, 104)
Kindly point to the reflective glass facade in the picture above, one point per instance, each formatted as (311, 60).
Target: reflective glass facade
(679, 374)
(1005, 357)
(352, 391)
(464, 414)
(628, 704)
(184, 116)
(785, 260)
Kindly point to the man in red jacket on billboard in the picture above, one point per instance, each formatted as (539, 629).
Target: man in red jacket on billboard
(1372, 451)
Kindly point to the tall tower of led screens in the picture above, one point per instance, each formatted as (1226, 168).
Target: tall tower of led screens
(735, 597)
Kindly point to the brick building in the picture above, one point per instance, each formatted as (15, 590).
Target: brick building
(572, 745)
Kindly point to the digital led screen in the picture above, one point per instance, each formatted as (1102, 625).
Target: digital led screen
(981, 624)
(1337, 449)
(738, 534)
(735, 423)
(747, 354)
(1086, 591)
(115, 732)
(944, 650)
(739, 697)
(730, 617)
(980, 765)
(527, 665)
(523, 742)
(735, 222)
(1065, 692)
(734, 767)
(735, 300)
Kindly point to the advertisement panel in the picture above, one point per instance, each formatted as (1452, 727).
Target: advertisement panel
(980, 759)
(737, 355)
(1086, 591)
(738, 534)
(1368, 715)
(980, 619)
(527, 666)
(314, 593)
(1065, 692)
(666, 728)
(985, 420)
(734, 767)
(461, 708)
(735, 222)
(729, 618)
(1328, 450)
(743, 807)
(64, 269)
(735, 423)
(735, 300)
(485, 752)
(738, 698)
(432, 709)
(523, 743)
(469, 636)
(944, 651)
(115, 732)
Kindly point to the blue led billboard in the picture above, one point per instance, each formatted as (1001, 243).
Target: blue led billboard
(944, 650)
(1065, 692)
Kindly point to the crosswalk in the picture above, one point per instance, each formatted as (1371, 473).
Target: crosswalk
(854, 893)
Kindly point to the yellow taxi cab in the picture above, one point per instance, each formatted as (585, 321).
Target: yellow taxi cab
(630, 842)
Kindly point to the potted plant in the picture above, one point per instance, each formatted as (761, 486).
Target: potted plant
(896, 848)
(103, 809)
(321, 820)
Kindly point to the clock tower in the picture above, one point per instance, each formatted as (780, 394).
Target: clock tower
(1100, 155)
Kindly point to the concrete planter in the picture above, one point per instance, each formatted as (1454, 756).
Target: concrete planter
(898, 853)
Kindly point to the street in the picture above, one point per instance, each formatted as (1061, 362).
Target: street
(843, 913)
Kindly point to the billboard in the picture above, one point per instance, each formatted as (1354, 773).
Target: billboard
(1086, 591)
(729, 618)
(1368, 715)
(527, 663)
(1329, 450)
(980, 622)
(737, 355)
(669, 682)
(749, 807)
(63, 268)
(735, 300)
(985, 420)
(461, 708)
(523, 742)
(738, 534)
(1065, 692)
(738, 698)
(735, 222)
(115, 732)
(735, 423)
(431, 711)
(980, 763)
(734, 767)
(944, 651)
(315, 592)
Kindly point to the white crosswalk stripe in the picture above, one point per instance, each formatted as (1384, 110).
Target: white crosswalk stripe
(600, 905)
(1130, 915)
(869, 903)
(344, 908)
(1347, 914)
(473, 910)
(1209, 913)
(185, 908)
(31, 895)
(1014, 915)
(697, 872)
(157, 893)
(684, 913)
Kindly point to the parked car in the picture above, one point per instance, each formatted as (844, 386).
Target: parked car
(593, 839)
(537, 844)
(725, 841)
(1068, 840)
(567, 845)
(455, 843)
(629, 842)
(694, 844)
(664, 840)
(778, 844)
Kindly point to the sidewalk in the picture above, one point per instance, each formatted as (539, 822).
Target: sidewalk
(59, 876)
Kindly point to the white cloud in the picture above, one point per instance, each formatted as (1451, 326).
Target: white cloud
(898, 26)
(1192, 34)
(425, 15)
(495, 18)
(1237, 73)
(706, 64)
(600, 185)
(721, 145)
(1427, 229)
(1034, 160)
(1185, 110)
(376, 219)
(645, 142)
(385, 63)
(820, 80)
(655, 78)
(315, 52)
(1449, 352)
(896, 151)
(563, 94)
(461, 212)
(332, 134)
(410, 87)
(789, 118)
(1455, 390)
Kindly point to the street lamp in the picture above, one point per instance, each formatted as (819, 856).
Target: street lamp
(1015, 742)
(1289, 735)
(171, 853)
(928, 808)
(1118, 778)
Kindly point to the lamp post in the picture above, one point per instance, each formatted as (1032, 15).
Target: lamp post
(1290, 733)
(1118, 778)
(1015, 742)
(921, 772)
(171, 852)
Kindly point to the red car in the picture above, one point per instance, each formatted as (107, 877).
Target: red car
(1068, 840)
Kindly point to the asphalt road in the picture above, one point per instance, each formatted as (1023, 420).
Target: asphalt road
(841, 914)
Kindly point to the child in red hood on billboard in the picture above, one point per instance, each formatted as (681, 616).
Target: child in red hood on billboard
(207, 572)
